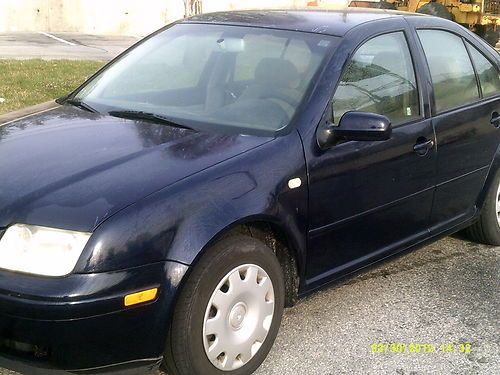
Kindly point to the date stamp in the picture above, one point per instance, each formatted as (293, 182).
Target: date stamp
(420, 348)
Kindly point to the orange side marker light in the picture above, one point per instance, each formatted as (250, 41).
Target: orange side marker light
(140, 297)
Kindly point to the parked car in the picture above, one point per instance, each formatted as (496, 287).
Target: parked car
(171, 207)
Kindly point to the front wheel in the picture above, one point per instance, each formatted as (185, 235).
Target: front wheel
(229, 312)
(487, 229)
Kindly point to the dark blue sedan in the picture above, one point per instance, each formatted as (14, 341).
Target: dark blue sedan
(169, 209)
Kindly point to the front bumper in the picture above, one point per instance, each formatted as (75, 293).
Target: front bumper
(79, 323)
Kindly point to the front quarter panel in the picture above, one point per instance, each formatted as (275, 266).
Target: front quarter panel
(178, 222)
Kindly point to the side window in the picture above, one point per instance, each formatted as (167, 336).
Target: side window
(486, 71)
(380, 79)
(452, 74)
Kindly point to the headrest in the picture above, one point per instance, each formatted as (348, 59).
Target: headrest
(278, 73)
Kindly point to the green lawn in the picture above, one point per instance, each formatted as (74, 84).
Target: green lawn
(28, 82)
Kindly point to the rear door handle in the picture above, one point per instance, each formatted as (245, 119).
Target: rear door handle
(495, 120)
(422, 148)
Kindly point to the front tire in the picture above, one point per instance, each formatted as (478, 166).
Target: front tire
(229, 312)
(487, 229)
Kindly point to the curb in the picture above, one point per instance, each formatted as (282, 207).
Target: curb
(26, 112)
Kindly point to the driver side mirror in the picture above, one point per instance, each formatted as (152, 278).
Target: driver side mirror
(355, 126)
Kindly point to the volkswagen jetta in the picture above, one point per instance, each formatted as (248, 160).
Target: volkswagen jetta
(171, 207)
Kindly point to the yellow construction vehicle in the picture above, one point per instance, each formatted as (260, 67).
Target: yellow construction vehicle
(481, 16)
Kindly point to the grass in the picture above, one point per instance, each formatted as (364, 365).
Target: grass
(29, 82)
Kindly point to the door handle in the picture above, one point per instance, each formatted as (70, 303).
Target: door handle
(495, 119)
(422, 148)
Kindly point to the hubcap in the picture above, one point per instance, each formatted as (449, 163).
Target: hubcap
(498, 204)
(238, 317)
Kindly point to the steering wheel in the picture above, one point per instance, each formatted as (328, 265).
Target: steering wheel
(277, 94)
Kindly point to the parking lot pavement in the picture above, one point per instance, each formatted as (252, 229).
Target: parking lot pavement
(70, 46)
(445, 293)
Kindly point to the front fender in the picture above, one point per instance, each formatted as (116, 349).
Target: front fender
(178, 222)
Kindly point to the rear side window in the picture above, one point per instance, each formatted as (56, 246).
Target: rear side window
(486, 71)
(452, 74)
(379, 79)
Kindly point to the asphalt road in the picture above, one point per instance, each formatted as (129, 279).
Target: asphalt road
(445, 293)
(70, 46)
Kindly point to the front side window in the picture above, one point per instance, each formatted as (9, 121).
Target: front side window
(214, 77)
(452, 74)
(379, 79)
(486, 71)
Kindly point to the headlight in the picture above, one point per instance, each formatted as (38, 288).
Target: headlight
(40, 250)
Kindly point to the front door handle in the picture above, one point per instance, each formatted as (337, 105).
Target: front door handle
(422, 148)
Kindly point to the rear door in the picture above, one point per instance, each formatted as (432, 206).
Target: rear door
(466, 103)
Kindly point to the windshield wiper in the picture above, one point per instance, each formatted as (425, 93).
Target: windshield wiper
(80, 104)
(140, 115)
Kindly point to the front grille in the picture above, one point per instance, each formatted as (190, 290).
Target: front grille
(492, 7)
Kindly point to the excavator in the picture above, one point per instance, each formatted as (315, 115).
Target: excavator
(480, 16)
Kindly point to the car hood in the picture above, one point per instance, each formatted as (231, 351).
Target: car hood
(71, 169)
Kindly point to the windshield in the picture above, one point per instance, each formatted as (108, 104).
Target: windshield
(213, 76)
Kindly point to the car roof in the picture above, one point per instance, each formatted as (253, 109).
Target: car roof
(330, 22)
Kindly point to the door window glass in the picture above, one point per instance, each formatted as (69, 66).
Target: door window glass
(487, 72)
(380, 79)
(452, 74)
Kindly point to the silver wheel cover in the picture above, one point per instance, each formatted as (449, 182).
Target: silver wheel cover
(238, 317)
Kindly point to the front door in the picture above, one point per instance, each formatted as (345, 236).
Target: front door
(367, 198)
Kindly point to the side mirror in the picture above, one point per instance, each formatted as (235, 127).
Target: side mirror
(355, 126)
